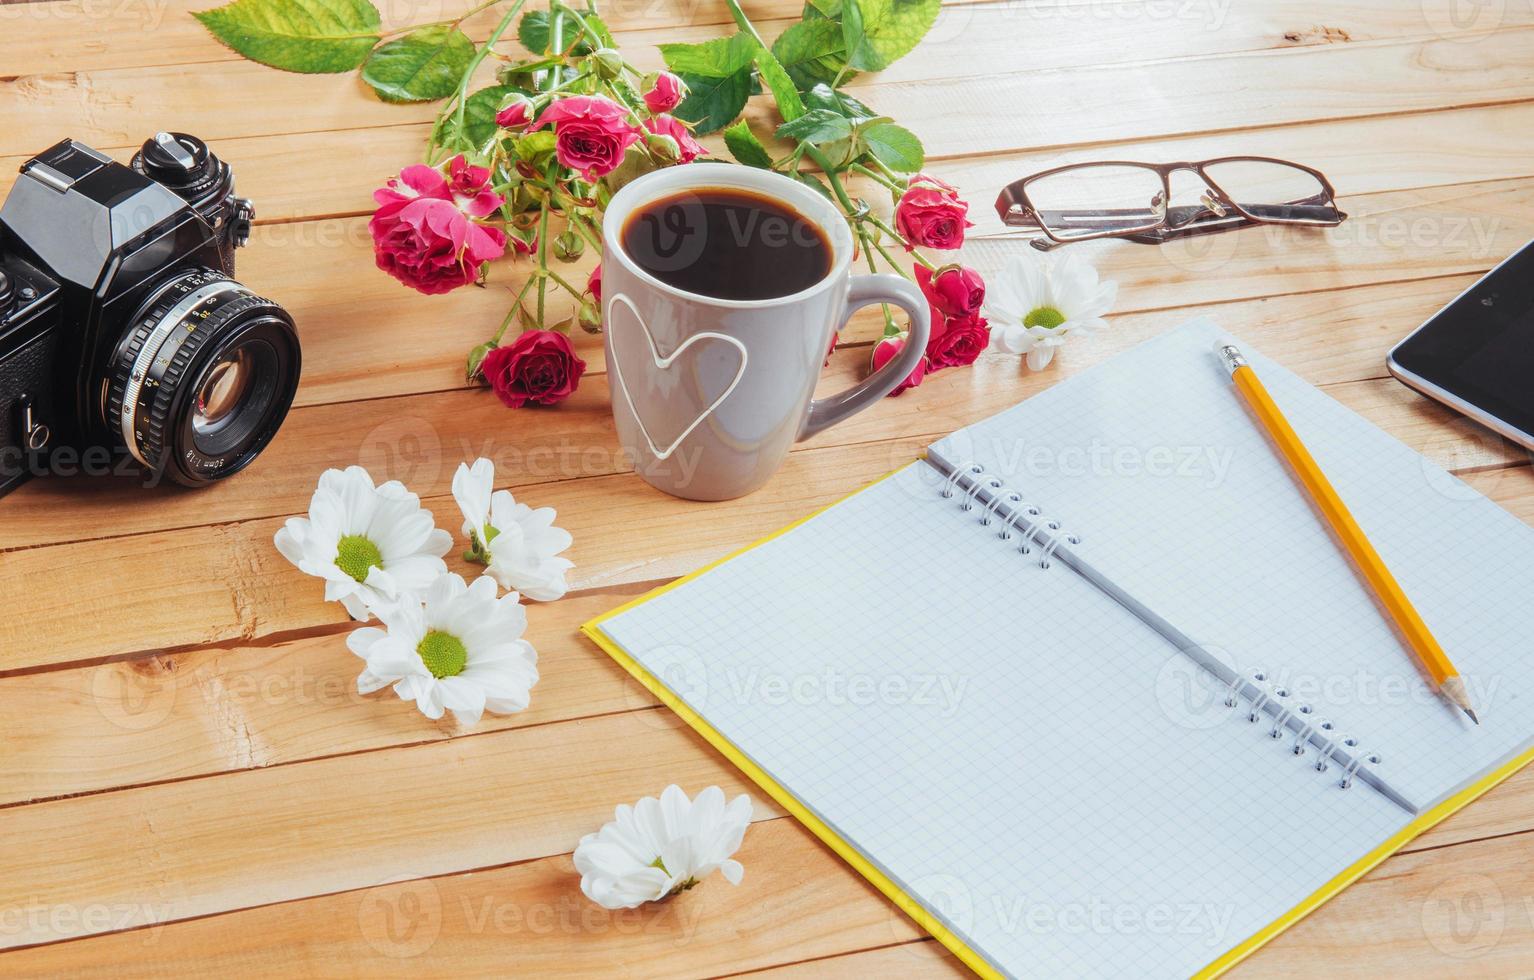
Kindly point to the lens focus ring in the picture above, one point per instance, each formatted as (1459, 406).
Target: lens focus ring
(186, 325)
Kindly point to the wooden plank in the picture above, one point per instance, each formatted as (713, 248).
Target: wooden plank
(916, 960)
(1330, 338)
(1360, 156)
(1122, 30)
(203, 846)
(797, 900)
(211, 584)
(797, 904)
(116, 107)
(220, 709)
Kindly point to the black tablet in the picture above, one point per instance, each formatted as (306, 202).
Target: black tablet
(1476, 355)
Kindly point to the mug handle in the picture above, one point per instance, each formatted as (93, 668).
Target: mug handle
(865, 291)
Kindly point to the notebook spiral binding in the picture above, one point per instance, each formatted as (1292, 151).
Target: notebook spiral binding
(1278, 698)
(1288, 717)
(1022, 518)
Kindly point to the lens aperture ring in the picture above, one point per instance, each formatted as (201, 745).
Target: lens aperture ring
(161, 420)
(183, 308)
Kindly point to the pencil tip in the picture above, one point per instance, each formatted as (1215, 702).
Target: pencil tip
(1471, 713)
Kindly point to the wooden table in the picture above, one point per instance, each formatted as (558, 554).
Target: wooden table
(189, 781)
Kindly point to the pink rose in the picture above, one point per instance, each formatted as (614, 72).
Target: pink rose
(665, 94)
(538, 367)
(592, 133)
(959, 343)
(516, 115)
(688, 149)
(594, 283)
(956, 290)
(886, 350)
(470, 187)
(930, 214)
(423, 239)
(414, 182)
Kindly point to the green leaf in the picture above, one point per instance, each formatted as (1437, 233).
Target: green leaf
(720, 57)
(784, 92)
(310, 36)
(824, 8)
(810, 51)
(824, 97)
(533, 31)
(878, 32)
(425, 64)
(894, 146)
(714, 103)
(745, 147)
(479, 112)
(816, 126)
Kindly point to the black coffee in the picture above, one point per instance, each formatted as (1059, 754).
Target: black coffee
(728, 244)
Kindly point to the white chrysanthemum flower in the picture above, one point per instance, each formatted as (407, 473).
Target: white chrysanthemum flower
(657, 848)
(1033, 305)
(456, 647)
(518, 545)
(370, 544)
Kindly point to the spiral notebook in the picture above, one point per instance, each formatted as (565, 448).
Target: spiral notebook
(1089, 690)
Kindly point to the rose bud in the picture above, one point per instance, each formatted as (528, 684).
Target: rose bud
(594, 283)
(568, 246)
(607, 62)
(476, 358)
(931, 215)
(516, 112)
(663, 91)
(589, 317)
(886, 351)
(674, 133)
(957, 290)
(539, 367)
(663, 147)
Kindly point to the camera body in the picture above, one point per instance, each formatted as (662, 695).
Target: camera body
(123, 335)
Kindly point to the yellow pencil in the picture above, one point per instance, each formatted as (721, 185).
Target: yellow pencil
(1369, 562)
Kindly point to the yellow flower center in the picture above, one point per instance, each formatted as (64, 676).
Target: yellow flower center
(443, 654)
(1044, 316)
(355, 554)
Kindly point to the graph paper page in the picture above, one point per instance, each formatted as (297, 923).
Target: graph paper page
(1180, 499)
(1007, 744)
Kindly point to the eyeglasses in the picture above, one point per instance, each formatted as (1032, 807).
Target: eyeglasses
(1122, 199)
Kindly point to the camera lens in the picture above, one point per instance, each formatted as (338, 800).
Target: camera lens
(203, 377)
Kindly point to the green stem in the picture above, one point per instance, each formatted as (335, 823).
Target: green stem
(510, 314)
(915, 253)
(543, 257)
(887, 182)
(868, 246)
(586, 231)
(895, 266)
(572, 290)
(460, 98)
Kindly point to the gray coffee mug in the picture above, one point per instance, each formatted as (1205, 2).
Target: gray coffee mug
(709, 394)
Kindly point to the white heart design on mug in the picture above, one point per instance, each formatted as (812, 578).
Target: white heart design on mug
(664, 363)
